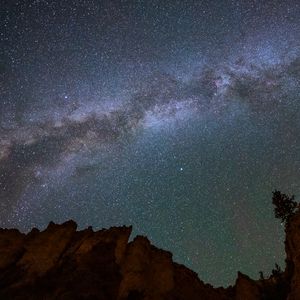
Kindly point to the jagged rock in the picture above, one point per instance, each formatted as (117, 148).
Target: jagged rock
(246, 288)
(188, 286)
(11, 242)
(292, 248)
(62, 263)
(43, 249)
(146, 270)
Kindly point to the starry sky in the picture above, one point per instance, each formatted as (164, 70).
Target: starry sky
(178, 117)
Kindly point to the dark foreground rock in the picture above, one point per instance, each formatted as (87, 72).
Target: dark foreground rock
(63, 263)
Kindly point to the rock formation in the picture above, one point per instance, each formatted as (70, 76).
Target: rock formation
(63, 263)
(292, 249)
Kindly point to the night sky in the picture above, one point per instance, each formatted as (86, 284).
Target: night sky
(178, 117)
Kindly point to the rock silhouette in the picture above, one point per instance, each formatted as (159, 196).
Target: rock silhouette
(63, 263)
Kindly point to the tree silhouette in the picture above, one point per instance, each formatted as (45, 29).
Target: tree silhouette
(285, 206)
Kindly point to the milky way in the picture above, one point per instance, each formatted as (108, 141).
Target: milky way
(178, 118)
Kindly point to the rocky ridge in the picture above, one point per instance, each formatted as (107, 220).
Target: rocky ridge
(63, 263)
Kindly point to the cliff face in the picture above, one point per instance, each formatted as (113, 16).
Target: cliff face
(292, 248)
(62, 263)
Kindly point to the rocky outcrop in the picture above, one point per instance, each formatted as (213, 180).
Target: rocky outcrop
(63, 263)
(273, 288)
(292, 248)
(246, 288)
